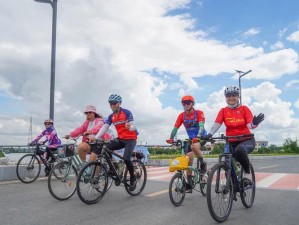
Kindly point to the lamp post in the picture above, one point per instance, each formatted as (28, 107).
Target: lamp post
(53, 3)
(241, 74)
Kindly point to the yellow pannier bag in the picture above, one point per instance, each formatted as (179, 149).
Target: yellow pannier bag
(178, 163)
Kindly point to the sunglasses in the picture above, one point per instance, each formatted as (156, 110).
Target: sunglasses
(231, 95)
(86, 113)
(186, 103)
(113, 103)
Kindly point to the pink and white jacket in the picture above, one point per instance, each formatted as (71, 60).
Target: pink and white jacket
(99, 122)
(51, 137)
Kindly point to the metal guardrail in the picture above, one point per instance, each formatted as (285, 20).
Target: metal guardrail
(16, 148)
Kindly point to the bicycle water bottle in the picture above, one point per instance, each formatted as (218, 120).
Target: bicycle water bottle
(226, 148)
(235, 166)
(121, 166)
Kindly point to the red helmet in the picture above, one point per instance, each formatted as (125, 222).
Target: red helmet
(187, 98)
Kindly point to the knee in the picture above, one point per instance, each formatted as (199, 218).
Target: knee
(195, 146)
(83, 147)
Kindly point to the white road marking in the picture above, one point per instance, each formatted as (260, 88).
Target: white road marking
(157, 193)
(267, 167)
(266, 182)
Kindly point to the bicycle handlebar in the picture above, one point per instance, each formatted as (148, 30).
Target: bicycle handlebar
(238, 137)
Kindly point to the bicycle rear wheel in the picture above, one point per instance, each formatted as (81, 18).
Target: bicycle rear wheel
(248, 188)
(92, 182)
(140, 175)
(219, 195)
(28, 168)
(177, 189)
(62, 180)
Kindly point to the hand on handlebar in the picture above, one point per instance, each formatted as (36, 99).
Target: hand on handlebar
(195, 140)
(67, 137)
(169, 141)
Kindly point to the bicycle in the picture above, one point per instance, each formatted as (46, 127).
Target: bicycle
(29, 166)
(226, 179)
(93, 178)
(63, 176)
(177, 185)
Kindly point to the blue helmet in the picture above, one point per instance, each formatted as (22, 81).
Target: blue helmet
(114, 97)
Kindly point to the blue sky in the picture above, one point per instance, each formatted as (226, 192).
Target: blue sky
(152, 53)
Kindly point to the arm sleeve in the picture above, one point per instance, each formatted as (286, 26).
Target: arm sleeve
(173, 132)
(78, 131)
(38, 138)
(102, 131)
(214, 128)
(201, 128)
(132, 126)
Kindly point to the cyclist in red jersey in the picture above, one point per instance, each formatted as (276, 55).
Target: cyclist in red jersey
(193, 121)
(123, 121)
(238, 120)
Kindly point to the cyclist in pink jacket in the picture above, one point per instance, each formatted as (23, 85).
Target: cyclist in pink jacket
(93, 123)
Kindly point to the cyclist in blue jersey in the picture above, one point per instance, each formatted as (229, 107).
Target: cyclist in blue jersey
(193, 121)
(123, 121)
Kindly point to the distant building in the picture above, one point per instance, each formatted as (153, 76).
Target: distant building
(261, 144)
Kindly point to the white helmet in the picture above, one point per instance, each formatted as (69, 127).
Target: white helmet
(232, 90)
(49, 121)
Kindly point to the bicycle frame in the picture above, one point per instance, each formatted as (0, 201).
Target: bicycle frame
(227, 158)
(105, 154)
(197, 175)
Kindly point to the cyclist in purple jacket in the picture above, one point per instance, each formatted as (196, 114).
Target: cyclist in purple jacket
(51, 137)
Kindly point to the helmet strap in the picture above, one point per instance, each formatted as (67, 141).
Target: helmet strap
(233, 106)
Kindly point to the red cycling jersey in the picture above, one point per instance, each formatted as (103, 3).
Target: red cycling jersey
(189, 116)
(119, 120)
(235, 120)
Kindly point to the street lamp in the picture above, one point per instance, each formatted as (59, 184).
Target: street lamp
(53, 3)
(241, 74)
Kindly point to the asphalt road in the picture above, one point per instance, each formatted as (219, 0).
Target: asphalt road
(22, 204)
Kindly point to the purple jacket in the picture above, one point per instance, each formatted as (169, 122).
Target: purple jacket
(51, 137)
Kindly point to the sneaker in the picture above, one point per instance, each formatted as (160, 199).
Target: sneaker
(188, 188)
(133, 182)
(203, 168)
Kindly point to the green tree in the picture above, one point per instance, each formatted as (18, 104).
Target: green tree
(290, 146)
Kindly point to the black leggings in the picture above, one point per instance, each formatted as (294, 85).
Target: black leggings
(129, 146)
(49, 152)
(241, 149)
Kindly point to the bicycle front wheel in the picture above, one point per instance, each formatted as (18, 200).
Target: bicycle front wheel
(203, 183)
(219, 193)
(140, 175)
(92, 182)
(28, 168)
(62, 180)
(177, 189)
(248, 188)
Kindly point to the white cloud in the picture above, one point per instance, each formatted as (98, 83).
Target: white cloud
(251, 32)
(277, 45)
(104, 47)
(294, 37)
(292, 83)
